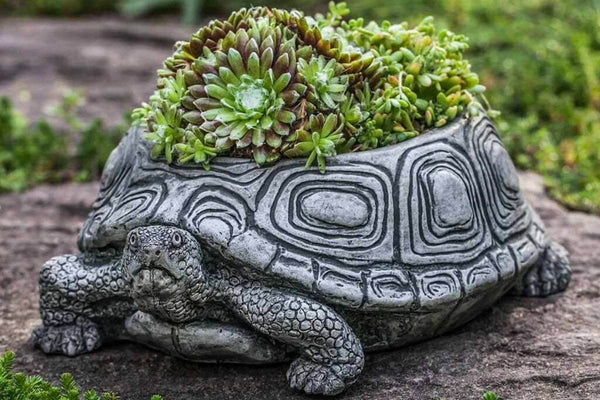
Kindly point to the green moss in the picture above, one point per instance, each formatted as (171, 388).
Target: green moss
(249, 85)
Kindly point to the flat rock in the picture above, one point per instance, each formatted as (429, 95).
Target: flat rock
(521, 348)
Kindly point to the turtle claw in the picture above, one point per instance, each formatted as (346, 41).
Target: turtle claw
(70, 340)
(551, 276)
(314, 378)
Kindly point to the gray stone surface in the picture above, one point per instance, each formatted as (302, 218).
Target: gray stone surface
(443, 231)
(204, 340)
(522, 348)
(111, 60)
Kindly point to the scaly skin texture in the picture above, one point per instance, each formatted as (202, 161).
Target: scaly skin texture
(332, 356)
(80, 305)
(551, 275)
(163, 269)
(163, 272)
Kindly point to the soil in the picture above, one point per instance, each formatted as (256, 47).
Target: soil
(522, 348)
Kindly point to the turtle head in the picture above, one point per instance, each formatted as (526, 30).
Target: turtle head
(164, 263)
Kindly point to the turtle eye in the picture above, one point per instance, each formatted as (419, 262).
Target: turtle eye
(176, 239)
(133, 239)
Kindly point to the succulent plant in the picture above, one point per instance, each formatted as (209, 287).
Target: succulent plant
(163, 117)
(326, 80)
(196, 148)
(248, 90)
(268, 83)
(318, 139)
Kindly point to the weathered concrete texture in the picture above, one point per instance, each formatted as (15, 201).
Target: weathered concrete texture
(427, 258)
(522, 348)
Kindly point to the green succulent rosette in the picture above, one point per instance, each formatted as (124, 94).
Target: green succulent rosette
(318, 139)
(268, 83)
(246, 94)
(327, 82)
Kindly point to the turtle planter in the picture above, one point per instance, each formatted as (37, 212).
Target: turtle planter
(259, 265)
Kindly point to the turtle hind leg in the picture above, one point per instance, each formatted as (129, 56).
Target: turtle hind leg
(331, 356)
(550, 276)
(327, 368)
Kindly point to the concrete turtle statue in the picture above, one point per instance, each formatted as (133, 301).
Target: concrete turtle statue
(255, 265)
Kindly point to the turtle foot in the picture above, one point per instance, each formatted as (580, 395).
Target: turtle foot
(70, 340)
(552, 275)
(313, 378)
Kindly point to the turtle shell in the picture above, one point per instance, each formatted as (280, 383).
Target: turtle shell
(430, 224)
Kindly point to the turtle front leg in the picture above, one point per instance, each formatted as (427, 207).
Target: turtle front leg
(550, 275)
(331, 355)
(74, 299)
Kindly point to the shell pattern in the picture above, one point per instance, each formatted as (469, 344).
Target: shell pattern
(433, 226)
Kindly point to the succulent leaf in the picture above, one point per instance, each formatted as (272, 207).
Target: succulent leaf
(269, 83)
(318, 140)
(326, 81)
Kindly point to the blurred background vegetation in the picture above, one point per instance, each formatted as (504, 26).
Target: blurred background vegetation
(59, 147)
(540, 60)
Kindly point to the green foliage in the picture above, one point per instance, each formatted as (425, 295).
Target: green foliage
(57, 7)
(540, 60)
(317, 140)
(491, 396)
(41, 152)
(251, 84)
(28, 154)
(196, 148)
(191, 10)
(17, 386)
(326, 81)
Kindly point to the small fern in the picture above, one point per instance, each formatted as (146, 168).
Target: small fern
(18, 386)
